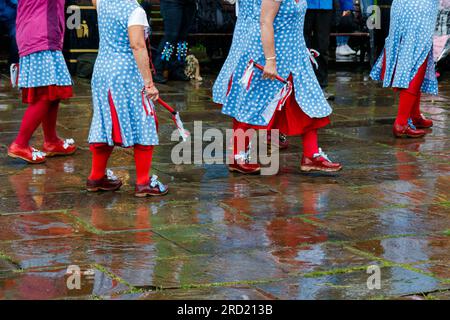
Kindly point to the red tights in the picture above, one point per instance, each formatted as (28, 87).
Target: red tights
(309, 139)
(43, 112)
(142, 158)
(409, 105)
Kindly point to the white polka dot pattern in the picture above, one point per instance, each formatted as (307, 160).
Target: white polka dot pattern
(292, 57)
(409, 43)
(116, 71)
(243, 29)
(43, 68)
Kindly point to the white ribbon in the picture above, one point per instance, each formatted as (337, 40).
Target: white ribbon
(313, 54)
(14, 73)
(321, 154)
(183, 132)
(244, 156)
(110, 175)
(68, 143)
(248, 75)
(36, 154)
(154, 182)
(277, 102)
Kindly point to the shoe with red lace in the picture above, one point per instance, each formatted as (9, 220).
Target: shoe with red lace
(319, 162)
(241, 163)
(28, 154)
(108, 183)
(407, 131)
(422, 122)
(60, 148)
(153, 189)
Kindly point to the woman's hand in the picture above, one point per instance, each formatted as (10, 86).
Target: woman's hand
(152, 92)
(270, 70)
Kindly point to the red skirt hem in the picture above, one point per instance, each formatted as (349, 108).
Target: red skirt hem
(50, 93)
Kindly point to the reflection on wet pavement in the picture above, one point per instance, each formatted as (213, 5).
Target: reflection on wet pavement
(224, 236)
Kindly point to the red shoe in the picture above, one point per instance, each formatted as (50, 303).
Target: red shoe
(242, 164)
(108, 183)
(422, 122)
(60, 148)
(283, 142)
(244, 168)
(29, 154)
(319, 162)
(407, 131)
(153, 189)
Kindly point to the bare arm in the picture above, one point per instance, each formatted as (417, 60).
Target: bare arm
(94, 3)
(269, 11)
(139, 47)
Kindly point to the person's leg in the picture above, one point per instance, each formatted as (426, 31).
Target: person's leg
(309, 27)
(143, 162)
(242, 136)
(31, 120)
(53, 145)
(172, 13)
(341, 40)
(178, 63)
(20, 148)
(406, 103)
(189, 10)
(101, 179)
(313, 158)
(310, 143)
(100, 156)
(144, 185)
(322, 28)
(49, 123)
(417, 117)
(408, 99)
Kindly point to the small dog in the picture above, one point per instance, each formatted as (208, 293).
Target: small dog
(192, 69)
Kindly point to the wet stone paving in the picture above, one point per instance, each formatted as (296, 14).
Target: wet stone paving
(225, 236)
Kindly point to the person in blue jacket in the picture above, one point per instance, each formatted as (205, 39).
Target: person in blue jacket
(317, 33)
(8, 12)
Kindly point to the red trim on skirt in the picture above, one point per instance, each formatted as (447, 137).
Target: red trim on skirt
(415, 84)
(291, 120)
(49, 93)
(116, 133)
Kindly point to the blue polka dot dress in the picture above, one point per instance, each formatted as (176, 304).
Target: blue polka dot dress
(43, 68)
(248, 104)
(116, 72)
(409, 44)
(244, 28)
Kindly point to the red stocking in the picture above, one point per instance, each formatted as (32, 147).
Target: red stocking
(415, 113)
(405, 106)
(410, 98)
(310, 143)
(143, 161)
(240, 131)
(100, 155)
(49, 123)
(32, 118)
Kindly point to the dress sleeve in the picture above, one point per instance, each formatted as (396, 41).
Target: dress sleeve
(138, 18)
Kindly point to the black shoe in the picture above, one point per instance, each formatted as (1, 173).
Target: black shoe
(159, 78)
